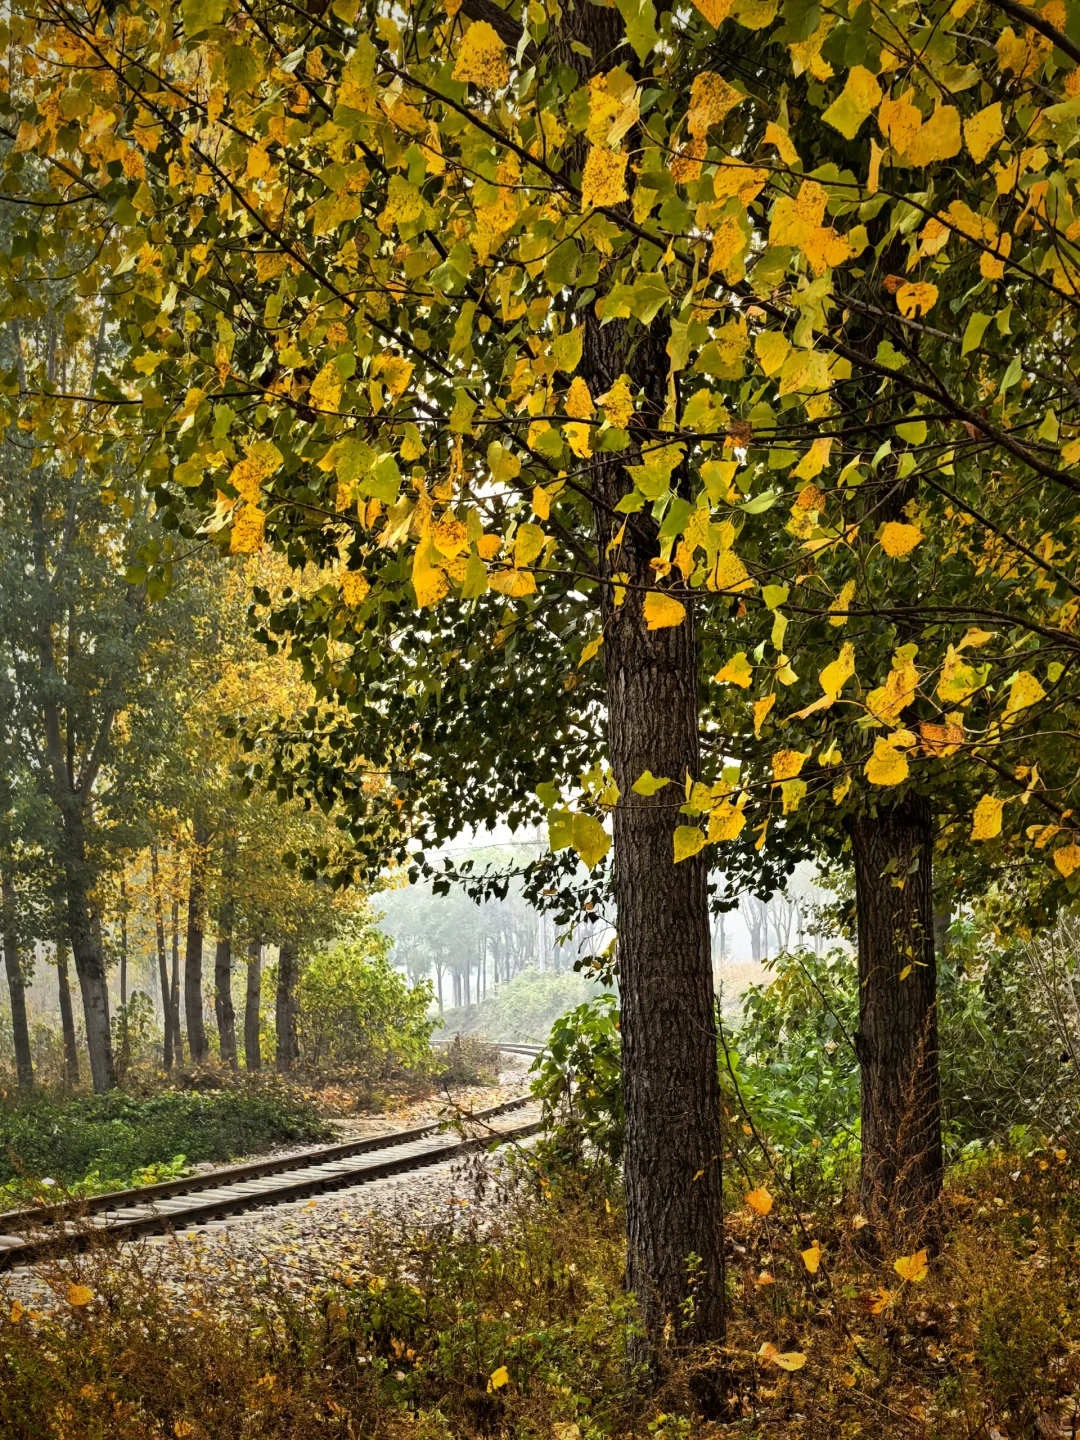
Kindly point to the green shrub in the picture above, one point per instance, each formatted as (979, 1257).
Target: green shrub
(578, 1079)
(357, 1010)
(114, 1135)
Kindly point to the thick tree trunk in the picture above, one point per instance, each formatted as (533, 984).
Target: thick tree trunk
(193, 954)
(672, 1169)
(223, 1005)
(288, 1052)
(897, 1037)
(174, 987)
(67, 1017)
(163, 963)
(20, 1030)
(252, 999)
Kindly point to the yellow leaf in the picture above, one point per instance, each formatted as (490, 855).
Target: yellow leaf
(761, 710)
(17, 1312)
(889, 764)
(786, 764)
(578, 436)
(482, 59)
(578, 402)
(759, 1200)
(662, 611)
(541, 503)
(986, 822)
(325, 393)
(983, 130)
(737, 671)
(513, 583)
(688, 841)
(938, 139)
(1024, 691)
(898, 539)
(499, 1378)
(1067, 858)
(618, 403)
(941, 740)
(260, 462)
(911, 1267)
(958, 680)
(777, 136)
(354, 587)
(394, 371)
(590, 650)
(79, 1294)
(835, 675)
(791, 793)
(726, 822)
(711, 97)
(842, 603)
(881, 1299)
(887, 701)
(857, 101)
(917, 297)
(905, 972)
(783, 1360)
(714, 11)
(429, 580)
(589, 838)
(648, 784)
(812, 1258)
(604, 178)
(248, 527)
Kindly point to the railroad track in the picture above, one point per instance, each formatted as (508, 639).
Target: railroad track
(33, 1233)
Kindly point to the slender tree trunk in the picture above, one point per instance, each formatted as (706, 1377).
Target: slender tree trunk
(193, 955)
(897, 1040)
(285, 1009)
(252, 998)
(174, 988)
(672, 1172)
(163, 964)
(123, 946)
(86, 948)
(223, 1005)
(67, 1017)
(20, 1030)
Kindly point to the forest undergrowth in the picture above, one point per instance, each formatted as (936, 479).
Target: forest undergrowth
(509, 1319)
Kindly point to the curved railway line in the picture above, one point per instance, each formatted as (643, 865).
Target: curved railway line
(37, 1232)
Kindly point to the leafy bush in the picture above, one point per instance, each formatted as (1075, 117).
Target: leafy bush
(357, 1010)
(114, 1135)
(578, 1079)
(791, 1056)
(525, 1008)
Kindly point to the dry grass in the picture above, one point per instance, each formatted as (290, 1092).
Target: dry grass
(413, 1339)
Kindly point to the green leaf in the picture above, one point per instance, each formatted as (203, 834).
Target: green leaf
(974, 332)
(199, 15)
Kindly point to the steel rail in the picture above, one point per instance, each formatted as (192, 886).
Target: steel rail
(243, 1188)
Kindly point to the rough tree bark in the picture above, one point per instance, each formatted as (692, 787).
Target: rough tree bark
(67, 1017)
(193, 954)
(288, 1050)
(252, 997)
(24, 1060)
(897, 1041)
(674, 1220)
(223, 1005)
(163, 963)
(174, 987)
